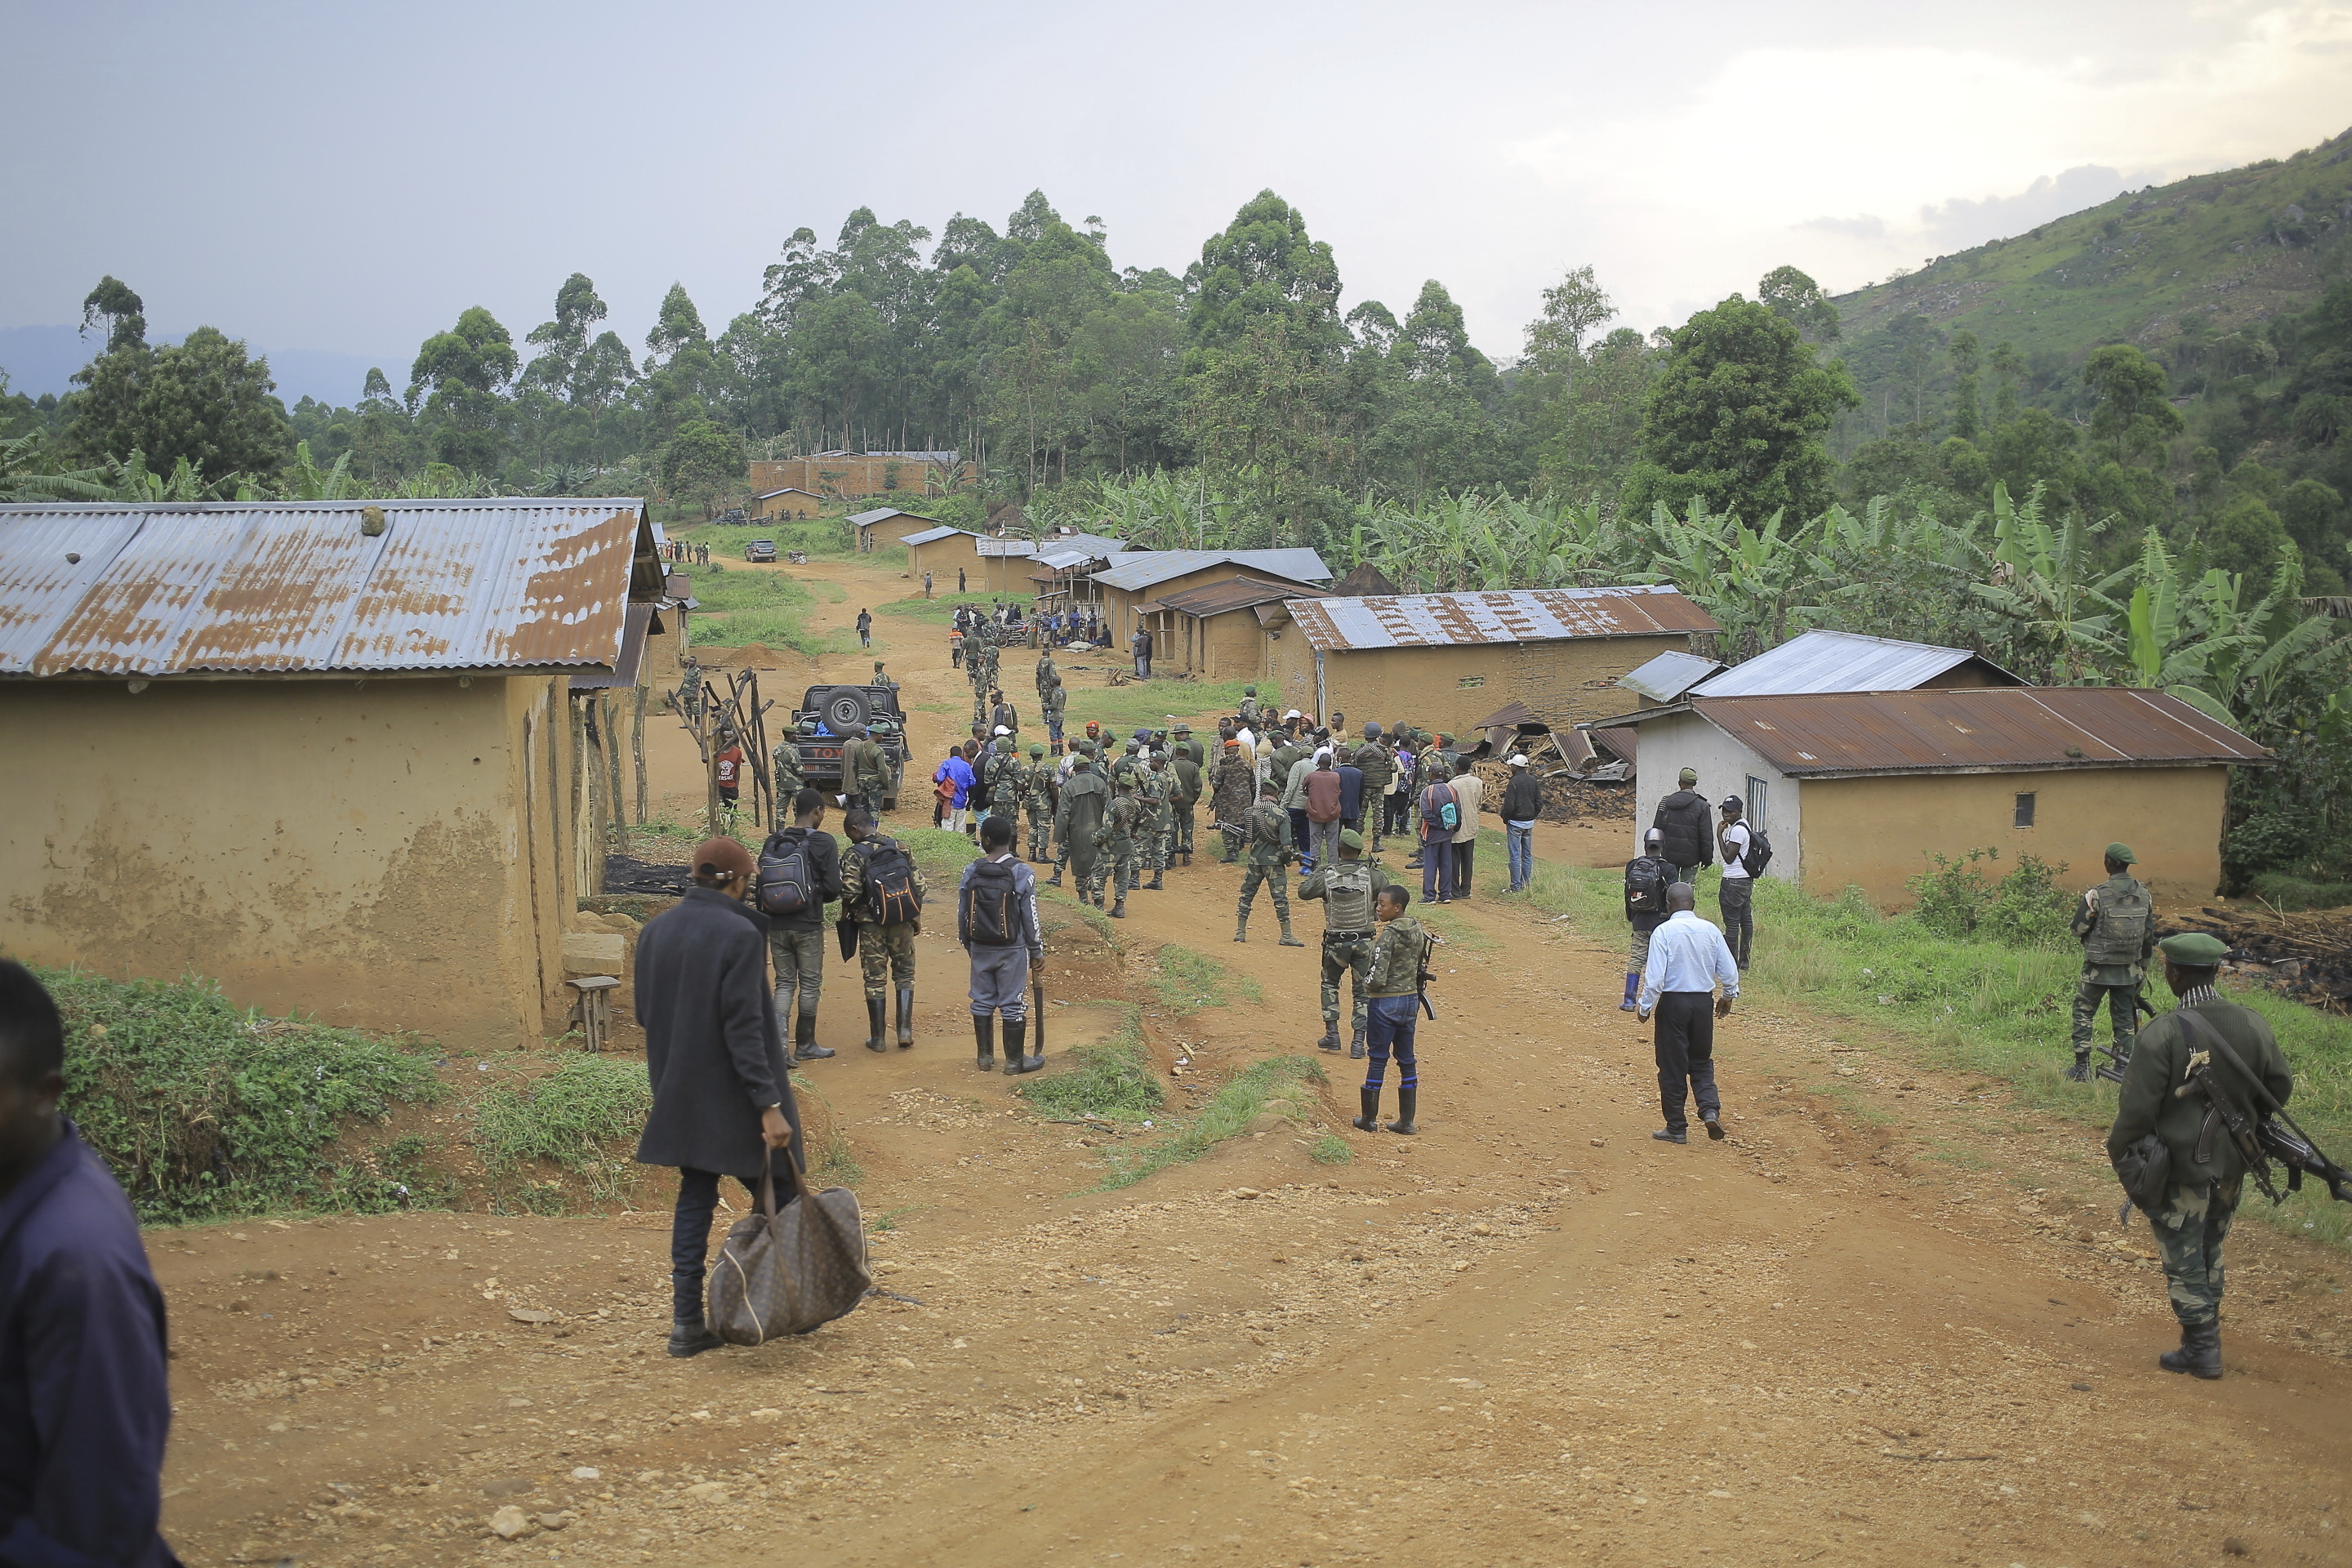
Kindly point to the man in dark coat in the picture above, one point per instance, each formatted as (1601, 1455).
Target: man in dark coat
(83, 1405)
(723, 1095)
(1686, 828)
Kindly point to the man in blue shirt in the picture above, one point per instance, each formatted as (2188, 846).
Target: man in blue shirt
(1687, 961)
(84, 1408)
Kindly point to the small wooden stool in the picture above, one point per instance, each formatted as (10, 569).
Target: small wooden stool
(593, 1010)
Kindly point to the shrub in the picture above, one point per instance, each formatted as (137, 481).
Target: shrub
(2025, 908)
(571, 1116)
(205, 1111)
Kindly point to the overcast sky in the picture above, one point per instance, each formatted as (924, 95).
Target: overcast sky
(350, 177)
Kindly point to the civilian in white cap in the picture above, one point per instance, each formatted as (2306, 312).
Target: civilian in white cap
(1522, 800)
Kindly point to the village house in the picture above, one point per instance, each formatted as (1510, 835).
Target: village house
(1818, 661)
(1010, 562)
(864, 473)
(1219, 631)
(786, 505)
(943, 551)
(326, 753)
(1859, 788)
(1442, 660)
(1142, 577)
(867, 526)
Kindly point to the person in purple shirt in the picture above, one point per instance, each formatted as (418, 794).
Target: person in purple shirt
(84, 1405)
(958, 768)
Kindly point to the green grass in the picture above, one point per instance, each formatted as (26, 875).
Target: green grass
(1122, 709)
(941, 610)
(1973, 1005)
(1331, 1150)
(1114, 1080)
(1185, 980)
(578, 1117)
(1227, 1114)
(745, 606)
(2283, 891)
(205, 1111)
(826, 537)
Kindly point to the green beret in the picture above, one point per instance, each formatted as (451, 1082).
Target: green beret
(1350, 839)
(2121, 855)
(2194, 949)
(1035, 749)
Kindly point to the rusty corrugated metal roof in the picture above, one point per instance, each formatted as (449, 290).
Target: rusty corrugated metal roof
(1513, 616)
(1233, 593)
(297, 587)
(1975, 730)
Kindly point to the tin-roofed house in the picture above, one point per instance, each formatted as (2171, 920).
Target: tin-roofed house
(943, 551)
(870, 529)
(1143, 577)
(323, 752)
(1442, 660)
(787, 505)
(1859, 788)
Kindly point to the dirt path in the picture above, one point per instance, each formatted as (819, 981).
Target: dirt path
(1530, 1335)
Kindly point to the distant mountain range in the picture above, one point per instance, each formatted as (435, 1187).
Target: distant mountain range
(44, 359)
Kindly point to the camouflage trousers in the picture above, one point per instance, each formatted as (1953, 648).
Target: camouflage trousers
(2190, 1230)
(1343, 956)
(1122, 856)
(1183, 829)
(1272, 877)
(1041, 830)
(1159, 840)
(1234, 838)
(886, 952)
(2121, 1014)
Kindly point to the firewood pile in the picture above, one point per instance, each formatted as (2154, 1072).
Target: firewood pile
(2306, 954)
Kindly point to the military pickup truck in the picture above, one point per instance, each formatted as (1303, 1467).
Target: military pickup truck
(820, 728)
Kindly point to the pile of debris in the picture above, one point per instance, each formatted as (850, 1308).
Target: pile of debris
(627, 874)
(2306, 954)
(1566, 797)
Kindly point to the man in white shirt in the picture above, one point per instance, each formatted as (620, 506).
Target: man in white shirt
(1738, 894)
(1471, 791)
(1687, 959)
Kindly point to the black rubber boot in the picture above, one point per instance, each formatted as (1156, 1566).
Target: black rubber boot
(1370, 1120)
(2081, 1072)
(1016, 1040)
(1055, 879)
(805, 1046)
(1153, 884)
(1118, 910)
(1406, 1103)
(906, 1017)
(1356, 1048)
(1330, 1040)
(984, 1034)
(2199, 1355)
(874, 1040)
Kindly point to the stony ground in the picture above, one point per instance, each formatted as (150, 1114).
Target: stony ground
(1530, 1335)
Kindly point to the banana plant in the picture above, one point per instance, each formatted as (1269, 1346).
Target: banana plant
(2045, 582)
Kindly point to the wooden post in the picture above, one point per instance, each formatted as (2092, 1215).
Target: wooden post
(638, 745)
(608, 713)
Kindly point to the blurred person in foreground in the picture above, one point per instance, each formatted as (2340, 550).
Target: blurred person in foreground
(84, 1406)
(722, 1094)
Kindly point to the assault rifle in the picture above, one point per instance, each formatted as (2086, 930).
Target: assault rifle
(1421, 981)
(2113, 1068)
(2275, 1137)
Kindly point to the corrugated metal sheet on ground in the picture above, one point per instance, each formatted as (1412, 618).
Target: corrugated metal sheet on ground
(1147, 568)
(1975, 730)
(297, 586)
(1839, 662)
(1667, 676)
(1513, 616)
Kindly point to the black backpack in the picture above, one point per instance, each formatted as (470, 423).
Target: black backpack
(1645, 886)
(783, 877)
(1759, 854)
(990, 919)
(891, 897)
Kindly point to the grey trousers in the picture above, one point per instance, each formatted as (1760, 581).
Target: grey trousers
(1000, 982)
(799, 958)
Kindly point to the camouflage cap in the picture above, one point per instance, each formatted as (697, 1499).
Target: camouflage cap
(2194, 949)
(2121, 855)
(1135, 746)
(1184, 729)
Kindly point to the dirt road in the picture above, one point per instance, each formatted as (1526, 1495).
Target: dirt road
(1530, 1335)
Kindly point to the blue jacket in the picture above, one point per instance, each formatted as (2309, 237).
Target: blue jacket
(84, 1407)
(956, 768)
(1352, 792)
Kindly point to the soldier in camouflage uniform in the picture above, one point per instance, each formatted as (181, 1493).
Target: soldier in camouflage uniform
(1036, 790)
(1048, 674)
(1232, 789)
(2115, 921)
(1051, 701)
(1346, 887)
(788, 780)
(689, 686)
(1252, 715)
(1119, 837)
(1377, 765)
(1184, 795)
(1269, 852)
(1078, 821)
(1154, 787)
(886, 952)
(881, 679)
(1005, 774)
(1130, 763)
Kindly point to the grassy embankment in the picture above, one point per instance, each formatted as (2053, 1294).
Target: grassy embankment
(749, 606)
(1978, 1006)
